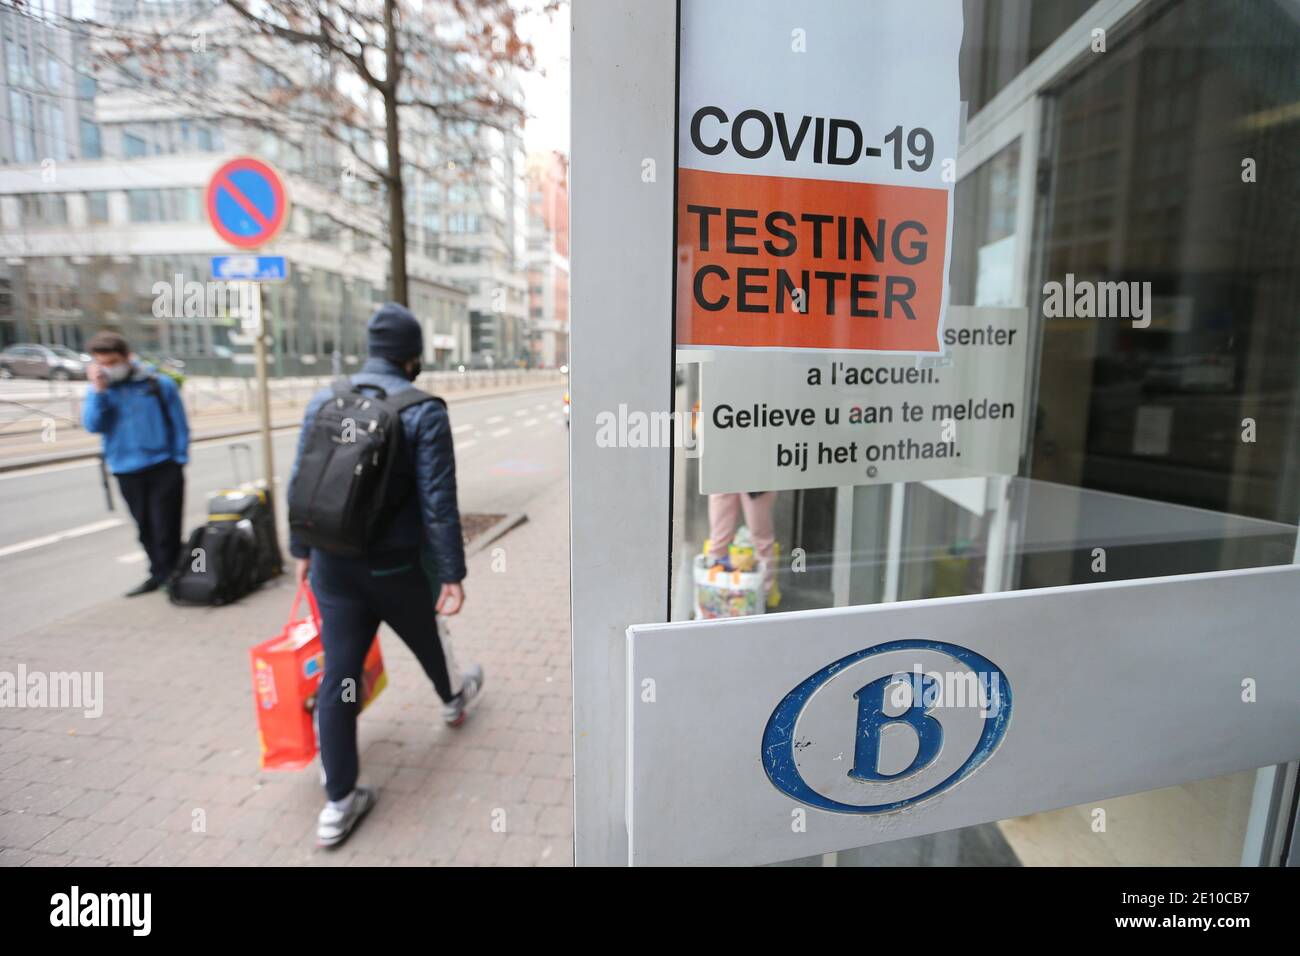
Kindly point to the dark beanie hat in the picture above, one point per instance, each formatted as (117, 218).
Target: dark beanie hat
(394, 333)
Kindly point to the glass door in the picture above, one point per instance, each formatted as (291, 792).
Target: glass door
(1138, 204)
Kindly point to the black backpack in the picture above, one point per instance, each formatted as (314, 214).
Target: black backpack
(254, 505)
(339, 499)
(217, 566)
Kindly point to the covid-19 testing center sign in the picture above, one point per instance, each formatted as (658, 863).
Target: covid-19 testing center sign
(765, 251)
(814, 235)
(813, 208)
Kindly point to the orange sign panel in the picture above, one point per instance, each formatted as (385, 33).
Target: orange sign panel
(783, 263)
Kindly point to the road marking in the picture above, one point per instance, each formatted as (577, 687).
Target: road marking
(540, 406)
(529, 422)
(133, 558)
(553, 416)
(60, 536)
(496, 418)
(462, 428)
(522, 411)
(461, 446)
(500, 431)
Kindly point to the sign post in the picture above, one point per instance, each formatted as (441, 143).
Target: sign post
(263, 384)
(248, 205)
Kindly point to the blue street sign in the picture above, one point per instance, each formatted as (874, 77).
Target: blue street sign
(247, 202)
(250, 268)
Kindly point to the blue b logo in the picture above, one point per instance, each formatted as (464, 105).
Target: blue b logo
(887, 727)
(872, 721)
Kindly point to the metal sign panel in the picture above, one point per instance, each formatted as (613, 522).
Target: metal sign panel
(765, 739)
(247, 203)
(250, 268)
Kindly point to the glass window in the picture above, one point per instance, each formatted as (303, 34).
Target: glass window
(55, 134)
(134, 146)
(188, 205)
(91, 148)
(1136, 178)
(20, 64)
(97, 207)
(164, 205)
(24, 130)
(1117, 418)
(143, 205)
(1002, 37)
(323, 227)
(43, 209)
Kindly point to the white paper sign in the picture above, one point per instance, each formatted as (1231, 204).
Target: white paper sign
(817, 147)
(775, 421)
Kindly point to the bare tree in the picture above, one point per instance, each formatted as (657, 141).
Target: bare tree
(368, 92)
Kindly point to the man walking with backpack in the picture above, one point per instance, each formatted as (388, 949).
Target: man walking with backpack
(374, 524)
(146, 440)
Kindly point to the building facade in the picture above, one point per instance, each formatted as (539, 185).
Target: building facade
(102, 206)
(467, 224)
(548, 258)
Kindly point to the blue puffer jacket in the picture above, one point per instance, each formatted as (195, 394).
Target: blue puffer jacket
(429, 518)
(138, 434)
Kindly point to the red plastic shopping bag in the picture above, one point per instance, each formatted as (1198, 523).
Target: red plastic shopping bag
(287, 672)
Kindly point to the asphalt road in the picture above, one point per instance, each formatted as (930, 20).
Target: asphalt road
(62, 550)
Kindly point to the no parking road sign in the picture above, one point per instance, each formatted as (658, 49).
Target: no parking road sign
(247, 202)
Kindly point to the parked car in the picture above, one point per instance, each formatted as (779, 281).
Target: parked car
(55, 362)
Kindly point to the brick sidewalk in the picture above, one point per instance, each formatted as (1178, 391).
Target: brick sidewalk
(177, 742)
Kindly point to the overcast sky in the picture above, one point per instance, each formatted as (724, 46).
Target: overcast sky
(547, 90)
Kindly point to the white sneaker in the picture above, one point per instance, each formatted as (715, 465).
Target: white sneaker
(471, 689)
(339, 818)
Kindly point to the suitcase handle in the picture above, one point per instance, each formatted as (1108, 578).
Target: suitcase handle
(304, 588)
(234, 460)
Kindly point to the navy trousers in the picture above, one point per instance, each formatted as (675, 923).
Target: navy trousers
(155, 498)
(354, 596)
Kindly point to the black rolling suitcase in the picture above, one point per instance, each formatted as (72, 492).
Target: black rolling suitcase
(253, 506)
(253, 502)
(236, 551)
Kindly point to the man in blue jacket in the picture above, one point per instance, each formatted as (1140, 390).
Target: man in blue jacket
(146, 441)
(413, 569)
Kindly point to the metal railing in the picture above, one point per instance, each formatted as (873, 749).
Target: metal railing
(27, 405)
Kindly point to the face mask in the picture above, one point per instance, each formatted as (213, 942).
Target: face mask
(118, 373)
(413, 372)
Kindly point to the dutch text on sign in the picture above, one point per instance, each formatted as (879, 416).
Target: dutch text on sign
(770, 421)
